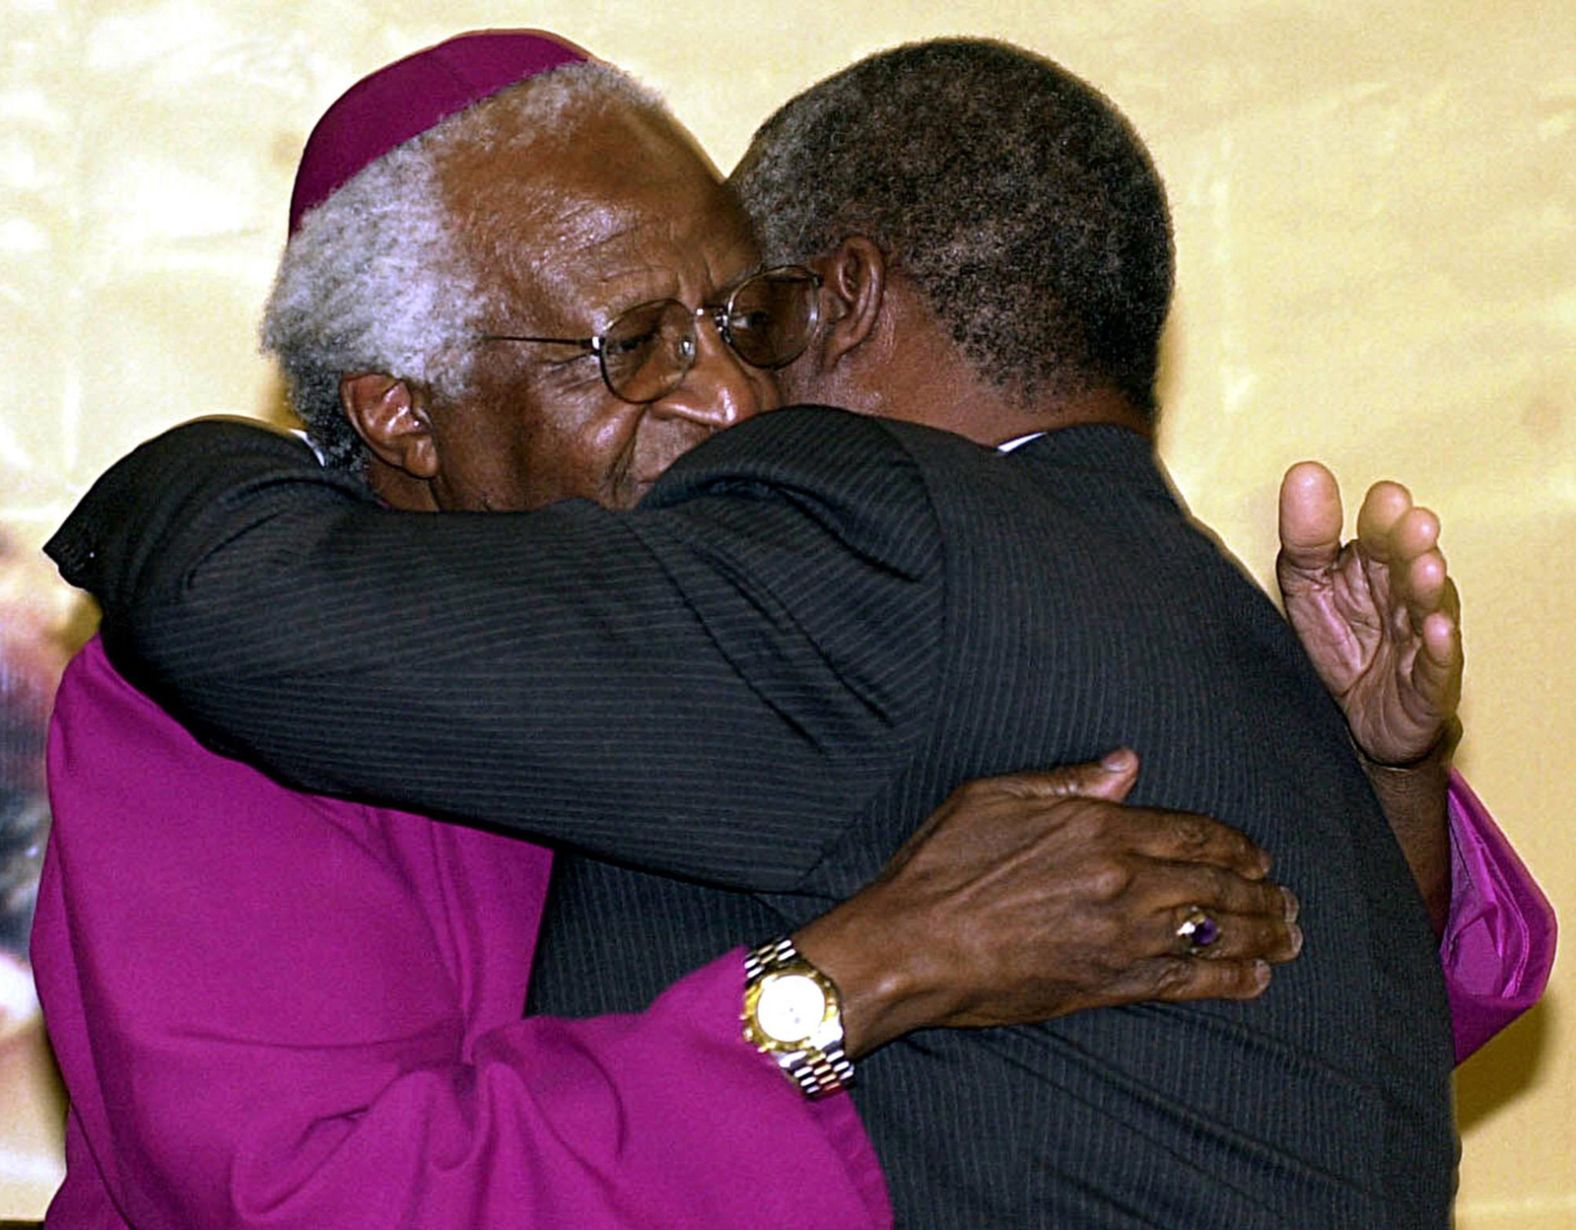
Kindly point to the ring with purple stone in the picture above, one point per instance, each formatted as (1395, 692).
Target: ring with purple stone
(1198, 931)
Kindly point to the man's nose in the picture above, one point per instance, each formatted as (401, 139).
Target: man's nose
(719, 389)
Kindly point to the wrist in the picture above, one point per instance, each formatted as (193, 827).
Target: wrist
(1415, 799)
(1435, 760)
(885, 988)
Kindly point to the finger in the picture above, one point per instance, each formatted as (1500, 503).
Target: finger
(1384, 505)
(1310, 516)
(1423, 586)
(1442, 641)
(1242, 937)
(1415, 531)
(1182, 979)
(1175, 887)
(1417, 590)
(1185, 838)
(1444, 612)
(1110, 778)
(1434, 606)
(1436, 672)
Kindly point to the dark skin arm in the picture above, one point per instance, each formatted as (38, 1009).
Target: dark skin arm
(1380, 618)
(1415, 801)
(1036, 895)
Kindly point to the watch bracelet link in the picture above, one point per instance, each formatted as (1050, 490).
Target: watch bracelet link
(820, 1072)
(817, 1071)
(768, 956)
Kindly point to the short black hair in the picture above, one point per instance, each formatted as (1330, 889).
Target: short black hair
(1014, 195)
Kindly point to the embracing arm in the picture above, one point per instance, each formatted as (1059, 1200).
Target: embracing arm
(580, 675)
(1034, 895)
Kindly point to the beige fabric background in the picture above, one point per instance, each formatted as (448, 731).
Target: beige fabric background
(1377, 236)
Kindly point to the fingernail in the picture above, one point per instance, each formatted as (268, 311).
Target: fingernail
(1293, 906)
(1117, 761)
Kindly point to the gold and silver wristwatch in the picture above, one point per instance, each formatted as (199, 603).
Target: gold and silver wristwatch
(793, 1013)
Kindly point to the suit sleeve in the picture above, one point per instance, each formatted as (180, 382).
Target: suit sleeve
(312, 1020)
(708, 686)
(1498, 946)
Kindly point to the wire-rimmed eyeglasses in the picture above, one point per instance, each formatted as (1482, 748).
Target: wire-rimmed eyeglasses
(647, 350)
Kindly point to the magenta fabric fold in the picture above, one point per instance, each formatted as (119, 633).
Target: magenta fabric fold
(1498, 946)
(277, 1010)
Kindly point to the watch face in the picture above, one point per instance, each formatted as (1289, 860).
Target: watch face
(791, 1007)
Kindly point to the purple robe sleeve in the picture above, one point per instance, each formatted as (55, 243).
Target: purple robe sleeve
(277, 1010)
(1498, 946)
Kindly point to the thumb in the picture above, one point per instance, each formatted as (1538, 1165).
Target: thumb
(1310, 517)
(1109, 778)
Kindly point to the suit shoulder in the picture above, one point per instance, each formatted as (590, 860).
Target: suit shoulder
(807, 476)
(814, 448)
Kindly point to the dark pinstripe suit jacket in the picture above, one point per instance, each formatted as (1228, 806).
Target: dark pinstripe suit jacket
(735, 702)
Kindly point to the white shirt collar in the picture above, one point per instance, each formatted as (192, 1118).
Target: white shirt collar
(323, 460)
(1019, 442)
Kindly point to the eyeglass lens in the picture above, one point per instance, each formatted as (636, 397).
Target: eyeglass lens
(769, 317)
(767, 321)
(647, 350)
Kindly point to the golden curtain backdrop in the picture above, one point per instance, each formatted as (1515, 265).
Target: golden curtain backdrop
(1376, 228)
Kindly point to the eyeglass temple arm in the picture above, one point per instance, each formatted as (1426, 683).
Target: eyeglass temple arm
(591, 344)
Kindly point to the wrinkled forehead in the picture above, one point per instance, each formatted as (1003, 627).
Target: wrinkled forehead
(619, 195)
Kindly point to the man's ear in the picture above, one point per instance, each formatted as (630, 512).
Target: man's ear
(391, 418)
(855, 276)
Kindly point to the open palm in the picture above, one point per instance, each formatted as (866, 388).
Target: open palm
(1379, 615)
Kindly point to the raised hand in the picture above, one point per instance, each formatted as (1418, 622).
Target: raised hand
(1035, 895)
(1379, 616)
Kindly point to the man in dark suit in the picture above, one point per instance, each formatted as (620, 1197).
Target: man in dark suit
(828, 621)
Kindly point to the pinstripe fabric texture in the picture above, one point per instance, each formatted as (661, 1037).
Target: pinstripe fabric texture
(757, 685)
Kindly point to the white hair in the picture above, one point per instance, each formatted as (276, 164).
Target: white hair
(375, 279)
